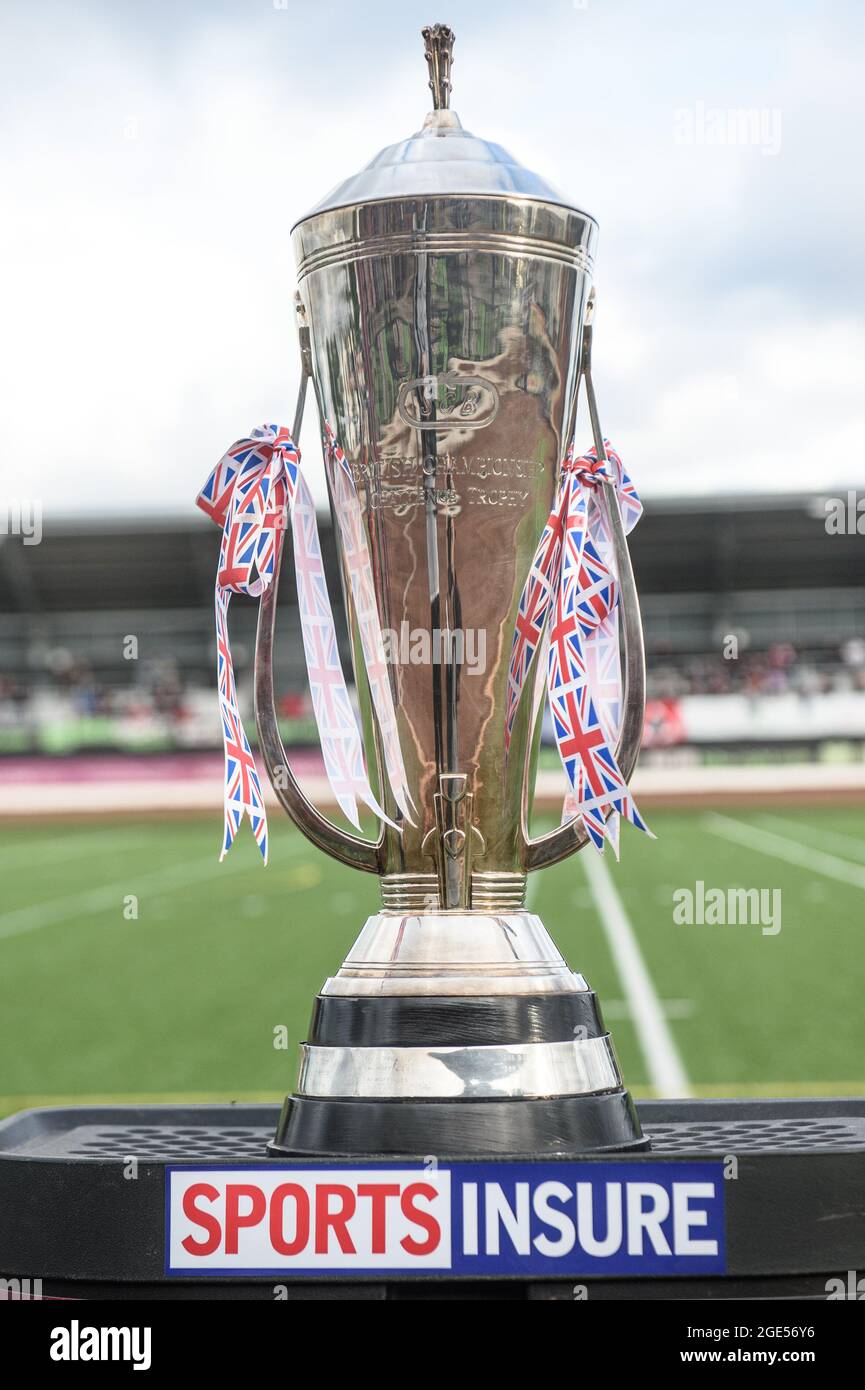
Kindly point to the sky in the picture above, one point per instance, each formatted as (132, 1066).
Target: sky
(154, 156)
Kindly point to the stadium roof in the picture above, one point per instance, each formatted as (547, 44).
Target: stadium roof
(682, 545)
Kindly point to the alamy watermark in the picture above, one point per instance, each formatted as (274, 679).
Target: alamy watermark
(851, 1289)
(438, 646)
(21, 517)
(845, 516)
(756, 126)
(728, 907)
(17, 1290)
(83, 1343)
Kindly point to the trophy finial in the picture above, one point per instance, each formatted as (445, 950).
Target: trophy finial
(438, 51)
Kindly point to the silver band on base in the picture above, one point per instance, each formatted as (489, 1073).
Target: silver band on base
(583, 1067)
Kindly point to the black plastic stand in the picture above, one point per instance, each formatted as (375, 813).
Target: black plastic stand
(83, 1201)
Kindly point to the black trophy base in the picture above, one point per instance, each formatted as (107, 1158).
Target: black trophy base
(320, 1128)
(478, 1122)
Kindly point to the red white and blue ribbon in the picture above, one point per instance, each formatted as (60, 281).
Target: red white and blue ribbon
(251, 492)
(570, 604)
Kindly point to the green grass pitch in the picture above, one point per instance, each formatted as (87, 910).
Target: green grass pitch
(134, 965)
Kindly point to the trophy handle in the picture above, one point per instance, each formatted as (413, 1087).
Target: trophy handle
(340, 844)
(568, 838)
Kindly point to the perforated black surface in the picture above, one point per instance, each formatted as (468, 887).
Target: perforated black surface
(166, 1143)
(757, 1136)
(173, 1134)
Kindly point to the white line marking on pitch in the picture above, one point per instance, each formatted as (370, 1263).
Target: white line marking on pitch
(803, 856)
(832, 839)
(26, 919)
(664, 1065)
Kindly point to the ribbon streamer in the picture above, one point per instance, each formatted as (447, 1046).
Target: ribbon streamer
(573, 587)
(357, 557)
(252, 489)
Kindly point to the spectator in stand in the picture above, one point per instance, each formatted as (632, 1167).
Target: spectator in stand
(853, 657)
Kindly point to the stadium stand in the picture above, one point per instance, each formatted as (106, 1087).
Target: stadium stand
(106, 630)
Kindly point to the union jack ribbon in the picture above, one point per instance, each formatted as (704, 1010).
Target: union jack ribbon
(250, 492)
(357, 557)
(570, 602)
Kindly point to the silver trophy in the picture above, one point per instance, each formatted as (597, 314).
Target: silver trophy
(445, 324)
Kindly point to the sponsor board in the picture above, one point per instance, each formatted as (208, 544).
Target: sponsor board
(459, 1219)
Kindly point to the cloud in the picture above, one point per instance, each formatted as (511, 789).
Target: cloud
(155, 158)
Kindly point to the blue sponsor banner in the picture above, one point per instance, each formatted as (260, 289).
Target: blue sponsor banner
(549, 1219)
(470, 1220)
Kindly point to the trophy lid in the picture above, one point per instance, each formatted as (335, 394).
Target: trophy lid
(441, 158)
